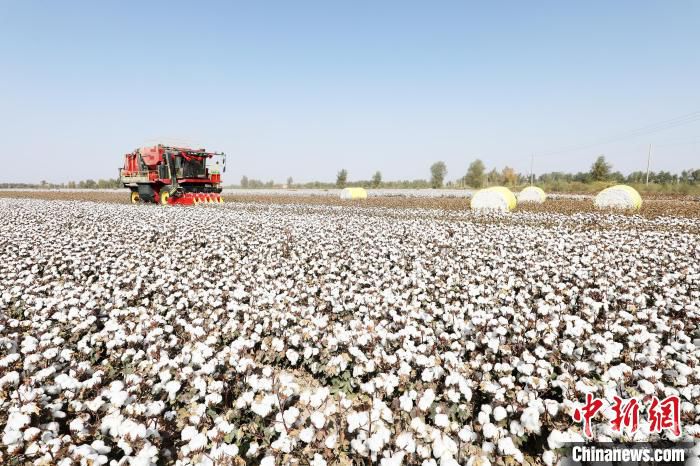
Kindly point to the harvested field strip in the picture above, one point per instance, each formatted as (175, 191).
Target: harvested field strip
(652, 208)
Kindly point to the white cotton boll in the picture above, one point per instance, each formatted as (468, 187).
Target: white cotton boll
(11, 379)
(375, 443)
(482, 418)
(66, 382)
(507, 448)
(293, 356)
(306, 435)
(567, 347)
(499, 413)
(530, 419)
(557, 439)
(95, 404)
(331, 441)
(318, 460)
(548, 457)
(165, 375)
(478, 461)
(172, 388)
(277, 345)
(318, 419)
(290, 415)
(405, 402)
(188, 433)
(252, 449)
(76, 425)
(154, 408)
(263, 407)
(441, 420)
(198, 442)
(406, 442)
(467, 435)
(443, 445)
(32, 433)
(453, 395)
(318, 397)
(268, 461)
(646, 387)
(356, 420)
(359, 445)
(552, 407)
(100, 447)
(426, 401)
(11, 437)
(368, 387)
(395, 459)
(525, 368)
(17, 421)
(490, 431)
(448, 460)
(516, 428)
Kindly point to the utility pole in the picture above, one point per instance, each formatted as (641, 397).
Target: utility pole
(532, 163)
(648, 163)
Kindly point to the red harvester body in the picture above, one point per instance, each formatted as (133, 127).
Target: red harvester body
(172, 175)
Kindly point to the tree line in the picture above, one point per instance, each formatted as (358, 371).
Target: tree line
(84, 184)
(477, 176)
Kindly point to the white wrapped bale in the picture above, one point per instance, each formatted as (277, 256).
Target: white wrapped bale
(353, 193)
(532, 194)
(618, 197)
(495, 198)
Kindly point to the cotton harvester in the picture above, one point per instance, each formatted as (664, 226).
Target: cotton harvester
(172, 175)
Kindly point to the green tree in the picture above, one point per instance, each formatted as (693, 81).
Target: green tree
(438, 171)
(600, 170)
(695, 176)
(509, 176)
(493, 177)
(342, 178)
(617, 177)
(244, 182)
(290, 182)
(636, 177)
(377, 179)
(475, 174)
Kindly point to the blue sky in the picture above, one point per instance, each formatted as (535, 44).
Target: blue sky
(303, 89)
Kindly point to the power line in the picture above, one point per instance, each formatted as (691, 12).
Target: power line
(648, 129)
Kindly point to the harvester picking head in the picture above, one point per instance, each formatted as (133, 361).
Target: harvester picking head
(196, 198)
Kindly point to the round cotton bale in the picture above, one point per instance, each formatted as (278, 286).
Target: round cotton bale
(495, 198)
(353, 193)
(618, 197)
(532, 194)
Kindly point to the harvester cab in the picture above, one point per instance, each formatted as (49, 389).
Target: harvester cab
(172, 175)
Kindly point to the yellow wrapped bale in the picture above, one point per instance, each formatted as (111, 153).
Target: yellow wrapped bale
(494, 198)
(353, 193)
(618, 197)
(532, 194)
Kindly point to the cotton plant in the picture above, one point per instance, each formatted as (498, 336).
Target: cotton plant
(281, 333)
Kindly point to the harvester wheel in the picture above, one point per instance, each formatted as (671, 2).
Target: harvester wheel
(135, 197)
(164, 195)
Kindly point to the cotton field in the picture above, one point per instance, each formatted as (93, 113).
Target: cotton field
(255, 333)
